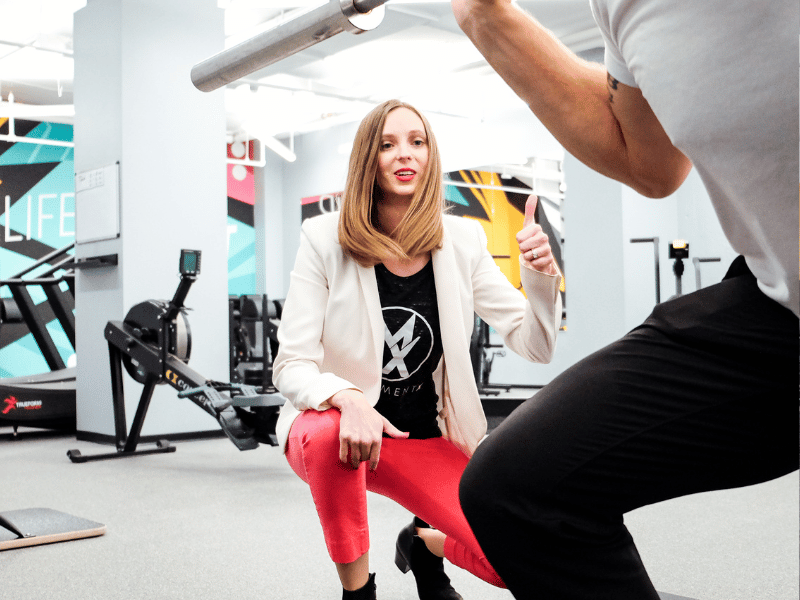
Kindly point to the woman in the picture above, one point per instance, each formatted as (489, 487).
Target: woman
(374, 352)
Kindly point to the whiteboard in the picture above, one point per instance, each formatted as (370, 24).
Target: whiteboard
(97, 204)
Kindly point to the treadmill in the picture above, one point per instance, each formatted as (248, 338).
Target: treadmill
(45, 400)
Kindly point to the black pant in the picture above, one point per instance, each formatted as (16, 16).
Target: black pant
(702, 396)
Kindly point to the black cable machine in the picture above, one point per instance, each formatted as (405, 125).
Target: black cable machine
(253, 321)
(153, 343)
(494, 396)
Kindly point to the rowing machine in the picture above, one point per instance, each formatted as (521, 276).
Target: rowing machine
(153, 343)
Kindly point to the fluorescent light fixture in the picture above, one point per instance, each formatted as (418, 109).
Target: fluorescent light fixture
(31, 64)
(35, 111)
(238, 20)
(272, 4)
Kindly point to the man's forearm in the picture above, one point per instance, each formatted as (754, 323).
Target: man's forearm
(572, 99)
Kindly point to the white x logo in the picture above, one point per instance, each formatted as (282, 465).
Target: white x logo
(404, 335)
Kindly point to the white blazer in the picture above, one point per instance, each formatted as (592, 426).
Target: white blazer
(332, 333)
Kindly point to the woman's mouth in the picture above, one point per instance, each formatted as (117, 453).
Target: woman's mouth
(405, 174)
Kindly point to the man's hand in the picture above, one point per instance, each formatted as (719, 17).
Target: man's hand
(361, 429)
(534, 245)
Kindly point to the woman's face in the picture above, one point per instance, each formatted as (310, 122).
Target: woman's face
(403, 155)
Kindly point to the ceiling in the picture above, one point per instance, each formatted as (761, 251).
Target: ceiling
(330, 83)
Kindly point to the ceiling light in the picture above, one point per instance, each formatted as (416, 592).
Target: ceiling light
(30, 64)
(35, 111)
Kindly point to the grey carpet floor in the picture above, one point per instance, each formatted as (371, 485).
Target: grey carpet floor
(211, 522)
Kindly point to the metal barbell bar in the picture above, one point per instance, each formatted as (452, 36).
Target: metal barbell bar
(264, 49)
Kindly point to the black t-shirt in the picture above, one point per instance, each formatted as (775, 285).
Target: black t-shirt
(411, 351)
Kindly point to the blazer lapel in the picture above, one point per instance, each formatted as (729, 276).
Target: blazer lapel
(451, 319)
(369, 287)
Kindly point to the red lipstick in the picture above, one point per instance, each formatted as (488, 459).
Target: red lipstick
(405, 174)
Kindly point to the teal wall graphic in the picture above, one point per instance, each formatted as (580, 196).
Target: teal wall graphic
(37, 216)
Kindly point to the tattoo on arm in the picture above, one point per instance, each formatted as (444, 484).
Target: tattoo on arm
(612, 85)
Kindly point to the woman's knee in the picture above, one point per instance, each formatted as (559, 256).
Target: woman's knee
(313, 443)
(317, 430)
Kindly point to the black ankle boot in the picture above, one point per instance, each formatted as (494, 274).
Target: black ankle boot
(364, 593)
(412, 554)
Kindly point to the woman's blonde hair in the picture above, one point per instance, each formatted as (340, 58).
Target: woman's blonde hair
(420, 230)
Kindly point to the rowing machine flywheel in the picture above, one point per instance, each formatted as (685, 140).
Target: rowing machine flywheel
(145, 322)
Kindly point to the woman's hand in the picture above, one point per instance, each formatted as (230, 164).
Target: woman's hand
(361, 429)
(534, 245)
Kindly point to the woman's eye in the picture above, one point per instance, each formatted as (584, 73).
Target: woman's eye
(419, 142)
(386, 145)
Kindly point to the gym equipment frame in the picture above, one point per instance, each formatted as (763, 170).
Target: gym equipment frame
(153, 343)
(656, 262)
(253, 321)
(677, 250)
(697, 262)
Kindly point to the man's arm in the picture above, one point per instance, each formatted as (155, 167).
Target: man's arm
(607, 125)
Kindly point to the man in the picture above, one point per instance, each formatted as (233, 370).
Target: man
(704, 394)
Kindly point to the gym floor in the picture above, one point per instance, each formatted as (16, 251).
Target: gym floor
(208, 521)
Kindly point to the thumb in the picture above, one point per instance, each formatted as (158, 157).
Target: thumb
(530, 210)
(392, 430)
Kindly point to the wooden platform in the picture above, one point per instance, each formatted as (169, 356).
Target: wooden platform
(35, 526)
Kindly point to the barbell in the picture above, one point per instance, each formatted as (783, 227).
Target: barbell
(268, 47)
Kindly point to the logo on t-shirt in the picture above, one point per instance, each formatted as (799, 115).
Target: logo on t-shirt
(409, 342)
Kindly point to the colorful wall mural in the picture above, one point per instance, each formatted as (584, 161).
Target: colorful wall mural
(37, 216)
(477, 195)
(241, 234)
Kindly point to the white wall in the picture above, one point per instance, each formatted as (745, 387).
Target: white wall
(687, 214)
(319, 169)
(268, 223)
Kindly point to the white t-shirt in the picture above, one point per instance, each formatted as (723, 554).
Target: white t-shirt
(722, 78)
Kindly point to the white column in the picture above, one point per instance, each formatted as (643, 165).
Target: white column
(135, 104)
(593, 260)
(268, 221)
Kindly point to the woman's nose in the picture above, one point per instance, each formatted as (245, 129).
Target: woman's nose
(404, 151)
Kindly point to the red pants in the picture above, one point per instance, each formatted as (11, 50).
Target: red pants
(420, 475)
